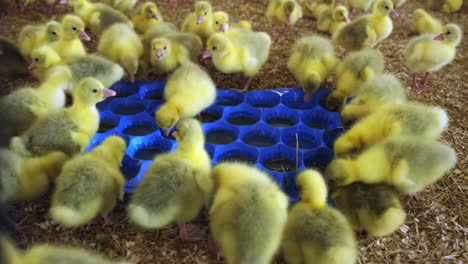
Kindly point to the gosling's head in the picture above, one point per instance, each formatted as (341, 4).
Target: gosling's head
(312, 187)
(203, 11)
(44, 57)
(221, 21)
(384, 8)
(218, 45)
(150, 10)
(161, 48)
(340, 13)
(289, 8)
(53, 31)
(337, 172)
(91, 91)
(166, 117)
(74, 27)
(189, 132)
(451, 34)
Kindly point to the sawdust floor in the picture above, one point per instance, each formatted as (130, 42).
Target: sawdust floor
(436, 227)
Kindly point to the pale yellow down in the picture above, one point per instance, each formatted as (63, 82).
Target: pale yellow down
(241, 51)
(28, 178)
(44, 253)
(73, 126)
(200, 22)
(423, 22)
(188, 91)
(157, 31)
(383, 90)
(34, 36)
(352, 72)
(90, 184)
(240, 203)
(121, 44)
(312, 60)
(283, 12)
(333, 19)
(375, 208)
(413, 119)
(177, 184)
(122, 5)
(98, 16)
(409, 163)
(51, 91)
(363, 5)
(314, 8)
(69, 46)
(221, 22)
(43, 59)
(425, 54)
(146, 16)
(315, 232)
(446, 6)
(174, 49)
(367, 31)
(22, 107)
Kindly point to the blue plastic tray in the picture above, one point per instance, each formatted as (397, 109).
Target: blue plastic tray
(258, 127)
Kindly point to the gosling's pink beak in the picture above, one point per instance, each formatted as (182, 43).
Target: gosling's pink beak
(63, 2)
(199, 20)
(159, 54)
(394, 13)
(223, 27)
(289, 19)
(84, 36)
(32, 66)
(439, 37)
(346, 19)
(155, 16)
(207, 54)
(174, 134)
(166, 132)
(108, 93)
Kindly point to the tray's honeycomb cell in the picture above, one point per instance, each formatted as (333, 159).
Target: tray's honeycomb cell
(262, 128)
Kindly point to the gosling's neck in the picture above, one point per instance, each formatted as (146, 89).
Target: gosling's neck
(82, 109)
(187, 147)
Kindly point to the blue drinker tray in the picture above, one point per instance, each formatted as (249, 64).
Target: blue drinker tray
(258, 127)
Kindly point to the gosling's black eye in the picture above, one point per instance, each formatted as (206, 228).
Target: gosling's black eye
(36, 59)
(95, 90)
(206, 13)
(448, 32)
(214, 48)
(217, 23)
(74, 28)
(54, 33)
(386, 7)
(165, 47)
